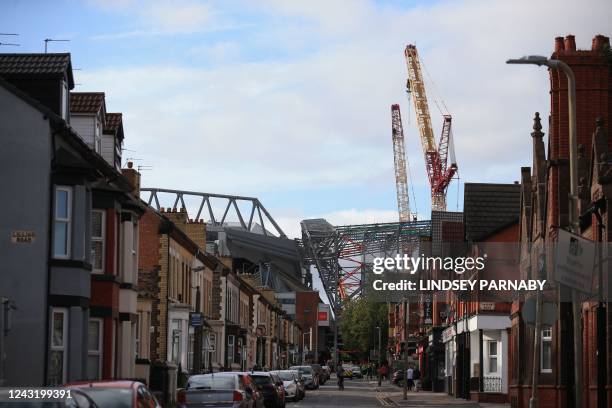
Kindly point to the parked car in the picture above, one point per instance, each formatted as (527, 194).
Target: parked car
(272, 388)
(300, 384)
(225, 389)
(320, 373)
(311, 380)
(116, 393)
(290, 382)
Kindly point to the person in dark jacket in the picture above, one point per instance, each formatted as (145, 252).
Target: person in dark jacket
(340, 375)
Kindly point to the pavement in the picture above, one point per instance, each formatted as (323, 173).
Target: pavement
(359, 393)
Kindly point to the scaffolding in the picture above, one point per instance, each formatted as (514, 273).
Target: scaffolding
(343, 255)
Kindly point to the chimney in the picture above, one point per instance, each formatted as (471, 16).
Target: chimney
(133, 177)
(599, 42)
(570, 43)
(559, 46)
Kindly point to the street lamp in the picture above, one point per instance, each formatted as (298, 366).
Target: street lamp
(574, 219)
(379, 356)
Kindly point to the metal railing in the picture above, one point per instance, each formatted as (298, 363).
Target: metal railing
(492, 384)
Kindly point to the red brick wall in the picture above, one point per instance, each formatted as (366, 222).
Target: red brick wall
(148, 249)
(593, 99)
(308, 301)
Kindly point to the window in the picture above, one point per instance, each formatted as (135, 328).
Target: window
(64, 96)
(97, 240)
(176, 341)
(190, 349)
(58, 346)
(493, 355)
(62, 222)
(212, 347)
(230, 350)
(546, 352)
(98, 139)
(94, 349)
(139, 323)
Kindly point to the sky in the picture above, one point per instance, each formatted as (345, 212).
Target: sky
(289, 101)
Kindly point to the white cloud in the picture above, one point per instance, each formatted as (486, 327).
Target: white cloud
(320, 114)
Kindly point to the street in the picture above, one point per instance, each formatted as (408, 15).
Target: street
(366, 393)
(357, 393)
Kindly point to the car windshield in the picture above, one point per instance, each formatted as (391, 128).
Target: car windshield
(262, 379)
(286, 376)
(212, 382)
(303, 369)
(110, 397)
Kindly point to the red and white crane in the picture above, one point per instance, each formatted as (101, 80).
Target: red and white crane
(439, 172)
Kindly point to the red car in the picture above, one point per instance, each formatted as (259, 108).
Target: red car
(117, 393)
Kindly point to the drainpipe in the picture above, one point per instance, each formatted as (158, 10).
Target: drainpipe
(601, 313)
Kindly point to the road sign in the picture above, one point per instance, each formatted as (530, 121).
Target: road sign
(548, 311)
(574, 261)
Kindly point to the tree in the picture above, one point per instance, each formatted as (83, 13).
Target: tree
(358, 323)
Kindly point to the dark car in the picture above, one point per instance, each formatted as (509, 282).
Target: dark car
(226, 389)
(116, 393)
(272, 388)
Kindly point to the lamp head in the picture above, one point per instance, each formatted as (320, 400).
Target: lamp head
(530, 59)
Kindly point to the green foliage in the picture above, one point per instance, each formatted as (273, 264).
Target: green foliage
(358, 323)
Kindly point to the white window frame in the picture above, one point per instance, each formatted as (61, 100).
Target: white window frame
(546, 336)
(176, 357)
(99, 239)
(98, 136)
(138, 334)
(64, 95)
(495, 356)
(97, 353)
(212, 347)
(67, 220)
(64, 346)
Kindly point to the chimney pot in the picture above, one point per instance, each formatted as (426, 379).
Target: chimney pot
(559, 46)
(570, 43)
(191, 220)
(174, 210)
(131, 164)
(599, 41)
(162, 209)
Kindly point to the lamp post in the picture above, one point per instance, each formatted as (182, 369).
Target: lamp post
(573, 216)
(379, 356)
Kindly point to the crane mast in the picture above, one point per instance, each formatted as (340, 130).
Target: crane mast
(399, 158)
(436, 157)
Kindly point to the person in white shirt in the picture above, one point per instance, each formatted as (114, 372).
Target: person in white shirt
(410, 377)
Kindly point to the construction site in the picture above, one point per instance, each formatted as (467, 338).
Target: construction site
(253, 205)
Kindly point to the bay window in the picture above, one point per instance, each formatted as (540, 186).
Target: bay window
(94, 349)
(97, 240)
(58, 346)
(62, 222)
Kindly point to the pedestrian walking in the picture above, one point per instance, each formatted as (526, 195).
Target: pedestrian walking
(369, 372)
(416, 375)
(340, 375)
(410, 377)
